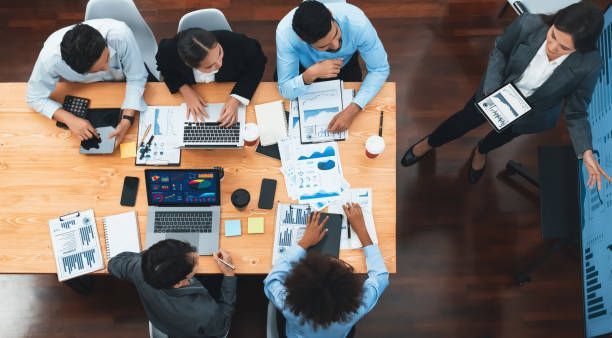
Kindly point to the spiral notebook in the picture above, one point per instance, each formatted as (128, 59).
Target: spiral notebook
(272, 122)
(121, 234)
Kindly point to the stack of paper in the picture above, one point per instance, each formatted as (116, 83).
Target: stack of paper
(289, 227)
(313, 172)
(161, 145)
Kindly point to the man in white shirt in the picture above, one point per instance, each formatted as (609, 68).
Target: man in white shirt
(93, 51)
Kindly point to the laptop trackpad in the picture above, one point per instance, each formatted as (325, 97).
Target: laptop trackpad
(186, 237)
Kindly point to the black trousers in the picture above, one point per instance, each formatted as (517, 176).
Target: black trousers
(281, 322)
(465, 120)
(351, 72)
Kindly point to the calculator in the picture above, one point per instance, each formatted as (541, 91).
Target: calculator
(78, 106)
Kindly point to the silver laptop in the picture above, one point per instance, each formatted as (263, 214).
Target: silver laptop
(184, 205)
(209, 134)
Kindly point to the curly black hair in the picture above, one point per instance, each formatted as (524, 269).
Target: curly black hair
(81, 47)
(323, 290)
(167, 262)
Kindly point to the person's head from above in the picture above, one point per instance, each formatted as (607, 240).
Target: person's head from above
(323, 290)
(574, 28)
(199, 49)
(314, 24)
(84, 49)
(169, 264)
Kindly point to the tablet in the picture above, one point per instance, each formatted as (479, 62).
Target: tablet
(504, 106)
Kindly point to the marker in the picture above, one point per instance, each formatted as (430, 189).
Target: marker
(226, 263)
(380, 125)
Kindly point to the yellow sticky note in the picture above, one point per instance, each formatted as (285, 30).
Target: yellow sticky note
(128, 150)
(256, 225)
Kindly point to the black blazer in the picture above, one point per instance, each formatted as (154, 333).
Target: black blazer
(573, 81)
(243, 63)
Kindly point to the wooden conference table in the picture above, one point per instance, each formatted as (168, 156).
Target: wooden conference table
(43, 176)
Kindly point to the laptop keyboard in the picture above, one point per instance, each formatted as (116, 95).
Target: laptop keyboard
(210, 133)
(183, 221)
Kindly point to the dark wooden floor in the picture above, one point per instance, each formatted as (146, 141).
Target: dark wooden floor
(458, 245)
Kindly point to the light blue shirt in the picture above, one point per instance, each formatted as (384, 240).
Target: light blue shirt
(274, 287)
(125, 64)
(358, 34)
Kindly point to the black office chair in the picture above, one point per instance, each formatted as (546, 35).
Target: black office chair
(559, 200)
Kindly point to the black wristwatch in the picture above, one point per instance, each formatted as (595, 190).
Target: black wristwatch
(129, 118)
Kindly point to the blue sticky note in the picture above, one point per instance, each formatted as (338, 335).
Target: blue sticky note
(232, 228)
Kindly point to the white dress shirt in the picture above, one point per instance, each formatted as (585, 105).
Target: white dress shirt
(201, 77)
(538, 71)
(125, 63)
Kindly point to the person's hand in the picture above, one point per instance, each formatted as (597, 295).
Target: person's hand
(120, 131)
(82, 128)
(229, 112)
(224, 255)
(196, 106)
(594, 169)
(325, 69)
(354, 217)
(342, 121)
(315, 231)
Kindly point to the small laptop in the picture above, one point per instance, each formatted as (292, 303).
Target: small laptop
(209, 134)
(184, 204)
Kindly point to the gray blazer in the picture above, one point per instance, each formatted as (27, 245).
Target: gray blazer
(185, 312)
(573, 81)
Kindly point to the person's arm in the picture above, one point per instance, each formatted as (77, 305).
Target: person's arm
(290, 82)
(124, 265)
(498, 59)
(576, 114)
(375, 57)
(256, 63)
(40, 86)
(274, 284)
(219, 324)
(168, 65)
(133, 67)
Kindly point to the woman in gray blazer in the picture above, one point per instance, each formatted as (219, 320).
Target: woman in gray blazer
(549, 59)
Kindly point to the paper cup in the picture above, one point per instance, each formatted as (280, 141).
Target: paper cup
(251, 134)
(375, 145)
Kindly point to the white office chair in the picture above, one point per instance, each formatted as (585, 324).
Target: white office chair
(155, 333)
(210, 19)
(539, 6)
(126, 11)
(271, 328)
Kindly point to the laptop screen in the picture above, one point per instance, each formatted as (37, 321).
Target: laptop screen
(197, 187)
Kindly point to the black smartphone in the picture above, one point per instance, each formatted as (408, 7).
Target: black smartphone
(130, 188)
(266, 194)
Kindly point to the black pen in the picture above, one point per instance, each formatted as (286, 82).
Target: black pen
(380, 125)
(348, 229)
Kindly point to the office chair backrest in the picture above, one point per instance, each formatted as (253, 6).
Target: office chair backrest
(271, 328)
(210, 19)
(126, 11)
(539, 6)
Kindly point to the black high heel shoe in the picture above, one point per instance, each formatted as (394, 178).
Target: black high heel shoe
(410, 158)
(473, 174)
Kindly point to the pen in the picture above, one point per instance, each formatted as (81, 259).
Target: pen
(380, 124)
(348, 228)
(226, 263)
(145, 135)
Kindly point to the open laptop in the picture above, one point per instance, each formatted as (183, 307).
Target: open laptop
(184, 204)
(209, 134)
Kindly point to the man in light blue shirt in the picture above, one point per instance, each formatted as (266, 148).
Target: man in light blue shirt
(320, 296)
(96, 50)
(323, 40)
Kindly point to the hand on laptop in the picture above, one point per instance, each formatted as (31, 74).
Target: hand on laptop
(354, 216)
(196, 106)
(229, 112)
(224, 255)
(315, 231)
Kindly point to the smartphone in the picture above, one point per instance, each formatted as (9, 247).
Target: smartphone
(266, 194)
(130, 188)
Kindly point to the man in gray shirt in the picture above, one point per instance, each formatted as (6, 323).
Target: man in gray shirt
(175, 302)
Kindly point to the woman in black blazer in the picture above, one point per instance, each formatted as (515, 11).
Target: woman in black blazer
(197, 55)
(550, 60)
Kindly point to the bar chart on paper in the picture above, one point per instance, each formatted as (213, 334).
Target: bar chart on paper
(76, 245)
(290, 224)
